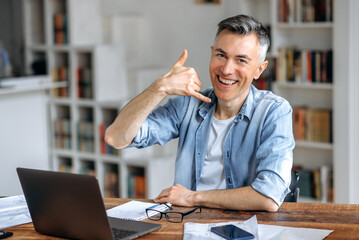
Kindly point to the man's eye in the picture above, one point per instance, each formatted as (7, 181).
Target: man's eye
(242, 61)
(221, 55)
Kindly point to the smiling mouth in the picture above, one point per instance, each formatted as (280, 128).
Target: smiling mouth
(227, 82)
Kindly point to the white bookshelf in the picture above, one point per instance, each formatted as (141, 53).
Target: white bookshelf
(302, 36)
(97, 88)
(312, 36)
(305, 25)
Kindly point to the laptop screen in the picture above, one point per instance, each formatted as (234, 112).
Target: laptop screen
(65, 205)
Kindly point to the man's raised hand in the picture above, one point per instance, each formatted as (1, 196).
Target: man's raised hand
(181, 80)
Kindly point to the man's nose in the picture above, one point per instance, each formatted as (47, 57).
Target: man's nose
(228, 67)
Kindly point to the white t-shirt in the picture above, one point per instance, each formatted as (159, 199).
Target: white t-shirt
(212, 175)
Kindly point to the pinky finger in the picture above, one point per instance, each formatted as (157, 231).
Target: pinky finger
(201, 97)
(161, 200)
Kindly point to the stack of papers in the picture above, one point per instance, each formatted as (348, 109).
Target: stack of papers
(134, 210)
(13, 211)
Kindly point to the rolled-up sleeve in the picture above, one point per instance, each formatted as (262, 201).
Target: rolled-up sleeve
(162, 125)
(275, 154)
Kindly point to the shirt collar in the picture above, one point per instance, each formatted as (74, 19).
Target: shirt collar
(248, 105)
(246, 110)
(205, 107)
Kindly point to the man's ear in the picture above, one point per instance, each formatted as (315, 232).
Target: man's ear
(260, 69)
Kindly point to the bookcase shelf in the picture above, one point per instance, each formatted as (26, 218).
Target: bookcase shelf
(303, 45)
(64, 39)
(314, 145)
(304, 25)
(304, 86)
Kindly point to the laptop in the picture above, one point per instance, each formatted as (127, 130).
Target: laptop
(71, 206)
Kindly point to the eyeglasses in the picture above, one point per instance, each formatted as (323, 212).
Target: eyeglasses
(175, 217)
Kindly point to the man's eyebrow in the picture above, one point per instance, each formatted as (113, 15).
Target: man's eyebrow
(238, 56)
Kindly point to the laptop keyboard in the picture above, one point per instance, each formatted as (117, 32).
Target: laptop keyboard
(121, 233)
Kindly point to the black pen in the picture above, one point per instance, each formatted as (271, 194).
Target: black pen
(5, 234)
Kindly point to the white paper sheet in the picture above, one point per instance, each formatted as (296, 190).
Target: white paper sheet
(273, 232)
(202, 231)
(134, 210)
(13, 211)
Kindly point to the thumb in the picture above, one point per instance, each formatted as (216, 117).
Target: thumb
(182, 59)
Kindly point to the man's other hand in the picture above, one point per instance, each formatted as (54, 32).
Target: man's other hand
(177, 195)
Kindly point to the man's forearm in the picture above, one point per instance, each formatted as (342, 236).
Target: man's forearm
(181, 81)
(245, 198)
(128, 122)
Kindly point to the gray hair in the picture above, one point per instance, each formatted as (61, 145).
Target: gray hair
(243, 25)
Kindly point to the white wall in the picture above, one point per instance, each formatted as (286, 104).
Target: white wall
(346, 110)
(172, 25)
(24, 138)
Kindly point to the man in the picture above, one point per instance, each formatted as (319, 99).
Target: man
(235, 142)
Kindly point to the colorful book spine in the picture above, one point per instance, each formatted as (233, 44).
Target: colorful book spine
(106, 149)
(60, 74)
(66, 167)
(316, 183)
(312, 124)
(111, 185)
(60, 28)
(85, 136)
(304, 66)
(63, 134)
(136, 186)
(84, 80)
(290, 11)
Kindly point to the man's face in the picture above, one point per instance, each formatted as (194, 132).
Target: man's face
(234, 64)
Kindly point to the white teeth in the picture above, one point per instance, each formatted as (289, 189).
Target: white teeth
(226, 81)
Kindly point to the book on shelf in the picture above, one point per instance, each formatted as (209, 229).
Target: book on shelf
(104, 147)
(84, 80)
(304, 66)
(264, 82)
(261, 83)
(63, 133)
(60, 29)
(65, 167)
(60, 74)
(312, 124)
(89, 169)
(291, 11)
(111, 184)
(85, 136)
(316, 183)
(136, 186)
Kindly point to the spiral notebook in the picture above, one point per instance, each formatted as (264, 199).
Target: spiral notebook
(134, 210)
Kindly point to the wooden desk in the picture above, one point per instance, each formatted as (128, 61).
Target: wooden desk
(342, 218)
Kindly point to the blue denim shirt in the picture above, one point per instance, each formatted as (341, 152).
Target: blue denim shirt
(258, 149)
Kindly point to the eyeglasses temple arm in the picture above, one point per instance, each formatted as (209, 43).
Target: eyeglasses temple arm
(191, 211)
(171, 208)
